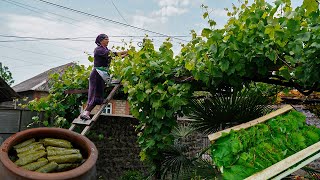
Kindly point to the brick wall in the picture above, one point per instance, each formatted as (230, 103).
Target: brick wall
(119, 107)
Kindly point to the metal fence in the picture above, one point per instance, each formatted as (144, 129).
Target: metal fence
(14, 120)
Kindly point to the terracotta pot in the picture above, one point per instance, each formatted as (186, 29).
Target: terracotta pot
(87, 171)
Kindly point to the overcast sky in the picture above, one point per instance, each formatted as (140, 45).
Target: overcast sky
(84, 20)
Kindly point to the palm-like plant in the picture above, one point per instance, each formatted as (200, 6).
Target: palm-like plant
(178, 164)
(210, 114)
(221, 110)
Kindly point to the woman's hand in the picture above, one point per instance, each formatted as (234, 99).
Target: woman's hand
(124, 53)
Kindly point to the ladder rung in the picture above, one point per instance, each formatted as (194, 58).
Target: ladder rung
(115, 81)
(80, 121)
(88, 123)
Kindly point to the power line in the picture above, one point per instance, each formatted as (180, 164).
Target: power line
(44, 54)
(129, 36)
(119, 12)
(85, 37)
(15, 59)
(106, 19)
(30, 63)
(123, 17)
(37, 40)
(26, 6)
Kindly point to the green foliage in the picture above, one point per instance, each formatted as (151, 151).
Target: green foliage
(257, 40)
(222, 110)
(6, 75)
(242, 153)
(58, 105)
(260, 42)
(147, 76)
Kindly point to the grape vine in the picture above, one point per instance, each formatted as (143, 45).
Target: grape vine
(275, 44)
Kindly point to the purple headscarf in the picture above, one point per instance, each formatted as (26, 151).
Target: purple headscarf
(99, 38)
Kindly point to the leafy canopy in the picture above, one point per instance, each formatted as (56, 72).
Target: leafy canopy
(275, 44)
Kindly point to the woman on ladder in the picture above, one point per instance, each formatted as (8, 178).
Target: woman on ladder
(102, 59)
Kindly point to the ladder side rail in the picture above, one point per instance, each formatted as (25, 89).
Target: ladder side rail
(105, 103)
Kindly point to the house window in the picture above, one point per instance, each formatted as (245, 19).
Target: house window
(107, 109)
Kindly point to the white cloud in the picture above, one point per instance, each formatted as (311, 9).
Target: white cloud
(171, 7)
(170, 11)
(142, 21)
(173, 2)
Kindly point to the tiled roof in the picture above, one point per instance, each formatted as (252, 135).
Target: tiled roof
(40, 81)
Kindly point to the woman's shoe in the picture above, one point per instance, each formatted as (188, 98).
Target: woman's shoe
(85, 117)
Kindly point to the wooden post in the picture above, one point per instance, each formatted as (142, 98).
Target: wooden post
(286, 163)
(214, 136)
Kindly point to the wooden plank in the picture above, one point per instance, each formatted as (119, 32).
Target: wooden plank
(83, 122)
(214, 136)
(301, 164)
(76, 91)
(285, 163)
(115, 81)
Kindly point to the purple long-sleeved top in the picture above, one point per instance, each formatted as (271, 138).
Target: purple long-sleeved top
(102, 58)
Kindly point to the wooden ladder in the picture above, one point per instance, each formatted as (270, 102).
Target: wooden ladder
(89, 123)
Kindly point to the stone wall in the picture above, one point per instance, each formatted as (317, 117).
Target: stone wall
(118, 150)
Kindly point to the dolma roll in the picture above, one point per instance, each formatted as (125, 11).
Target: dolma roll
(42, 159)
(61, 151)
(30, 158)
(25, 143)
(28, 147)
(66, 167)
(56, 148)
(36, 165)
(56, 142)
(48, 167)
(70, 158)
(35, 149)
